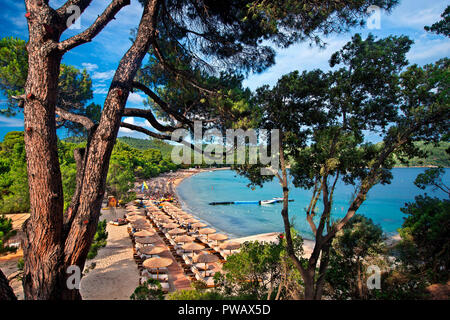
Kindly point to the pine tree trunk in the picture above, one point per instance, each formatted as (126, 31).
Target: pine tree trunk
(6, 292)
(42, 246)
(53, 243)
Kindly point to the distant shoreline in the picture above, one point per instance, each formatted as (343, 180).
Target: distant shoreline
(429, 166)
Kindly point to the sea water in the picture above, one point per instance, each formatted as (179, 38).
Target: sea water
(382, 205)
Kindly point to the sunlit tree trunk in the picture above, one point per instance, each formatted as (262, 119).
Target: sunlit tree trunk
(54, 242)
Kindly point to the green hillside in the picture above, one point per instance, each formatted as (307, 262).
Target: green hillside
(437, 156)
(140, 144)
(145, 144)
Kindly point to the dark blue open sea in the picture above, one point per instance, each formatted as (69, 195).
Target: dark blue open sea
(382, 205)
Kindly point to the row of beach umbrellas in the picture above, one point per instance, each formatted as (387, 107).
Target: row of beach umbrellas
(145, 237)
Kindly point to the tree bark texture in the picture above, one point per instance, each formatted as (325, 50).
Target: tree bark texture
(55, 241)
(6, 292)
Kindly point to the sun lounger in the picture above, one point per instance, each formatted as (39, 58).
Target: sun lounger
(187, 258)
(147, 256)
(160, 277)
(165, 286)
(148, 272)
(209, 281)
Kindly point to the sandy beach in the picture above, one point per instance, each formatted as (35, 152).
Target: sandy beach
(115, 275)
(169, 182)
(308, 245)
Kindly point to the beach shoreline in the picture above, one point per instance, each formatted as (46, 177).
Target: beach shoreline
(308, 244)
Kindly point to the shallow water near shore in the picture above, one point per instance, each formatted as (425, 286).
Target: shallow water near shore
(382, 205)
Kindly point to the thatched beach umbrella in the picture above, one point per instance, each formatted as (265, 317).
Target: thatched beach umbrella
(205, 258)
(165, 220)
(144, 233)
(207, 231)
(191, 220)
(177, 231)
(136, 218)
(146, 240)
(152, 250)
(157, 213)
(192, 246)
(138, 226)
(171, 225)
(139, 223)
(156, 263)
(183, 214)
(218, 237)
(199, 225)
(136, 213)
(184, 239)
(230, 245)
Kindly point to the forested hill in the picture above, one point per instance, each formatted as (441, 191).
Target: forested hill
(437, 156)
(140, 144)
(144, 144)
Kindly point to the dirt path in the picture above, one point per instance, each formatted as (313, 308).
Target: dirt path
(115, 275)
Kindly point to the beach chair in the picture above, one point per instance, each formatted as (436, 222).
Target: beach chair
(160, 277)
(195, 270)
(187, 259)
(165, 286)
(209, 280)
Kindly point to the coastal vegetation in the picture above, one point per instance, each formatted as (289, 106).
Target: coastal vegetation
(127, 165)
(322, 118)
(99, 241)
(6, 232)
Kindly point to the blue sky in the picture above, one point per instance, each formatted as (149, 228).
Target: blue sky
(101, 56)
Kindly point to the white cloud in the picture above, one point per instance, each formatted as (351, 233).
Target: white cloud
(103, 76)
(99, 85)
(129, 120)
(297, 57)
(89, 66)
(10, 122)
(135, 98)
(426, 51)
(137, 122)
(409, 15)
(101, 91)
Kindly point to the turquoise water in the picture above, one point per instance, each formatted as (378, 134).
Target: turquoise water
(382, 205)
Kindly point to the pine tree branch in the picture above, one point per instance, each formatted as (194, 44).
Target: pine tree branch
(83, 120)
(148, 115)
(164, 105)
(64, 14)
(166, 65)
(100, 23)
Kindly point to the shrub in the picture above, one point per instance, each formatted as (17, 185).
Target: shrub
(99, 239)
(150, 290)
(6, 232)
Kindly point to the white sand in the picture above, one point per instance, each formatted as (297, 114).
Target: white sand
(116, 275)
(308, 245)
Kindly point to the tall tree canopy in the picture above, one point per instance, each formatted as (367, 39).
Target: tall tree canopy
(74, 86)
(370, 91)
